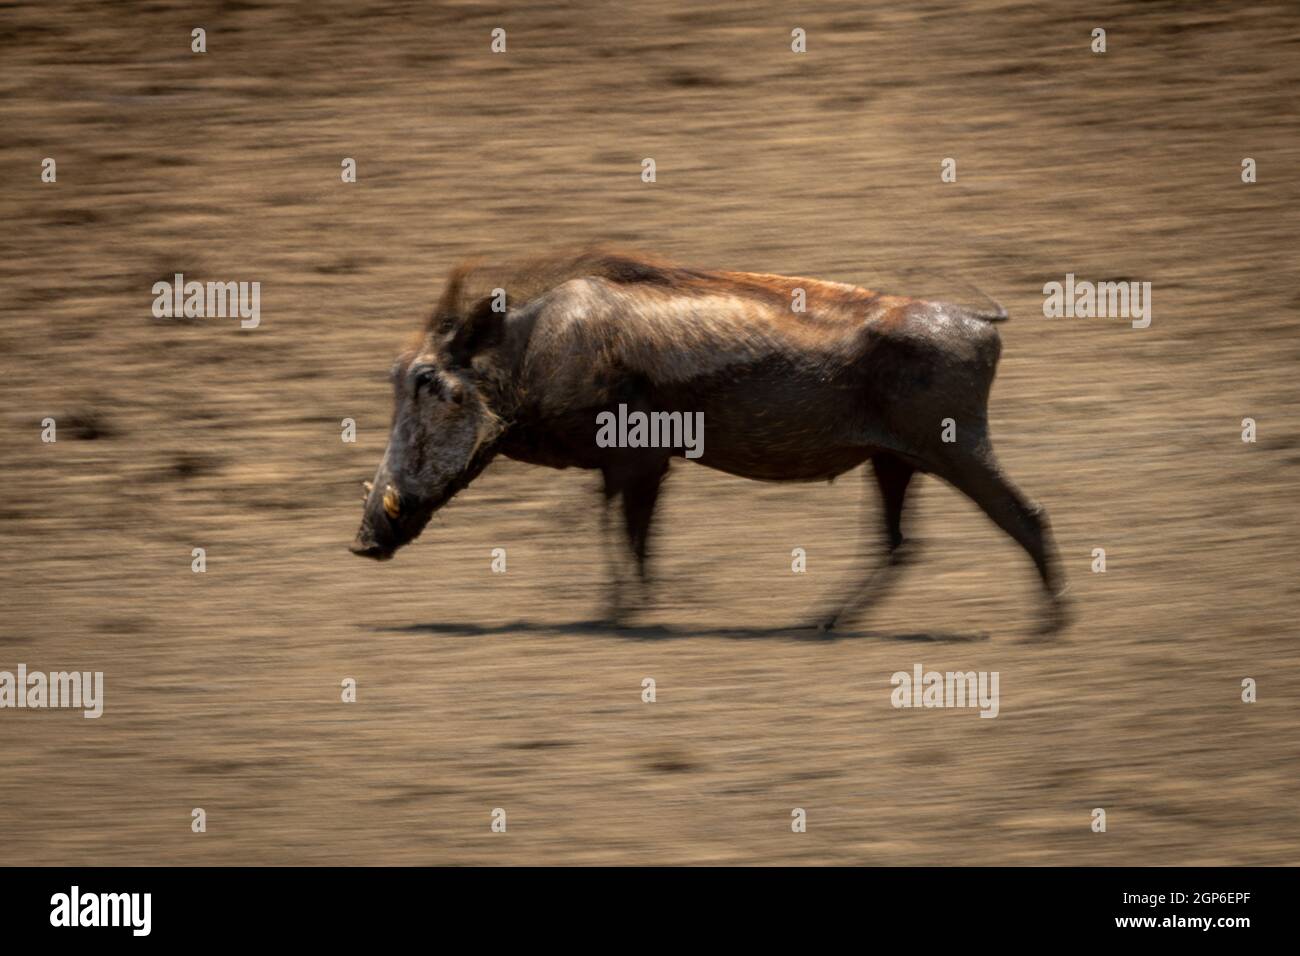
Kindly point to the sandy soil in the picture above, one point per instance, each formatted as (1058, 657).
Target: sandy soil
(480, 690)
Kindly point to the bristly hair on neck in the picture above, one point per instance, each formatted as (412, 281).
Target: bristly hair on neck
(470, 282)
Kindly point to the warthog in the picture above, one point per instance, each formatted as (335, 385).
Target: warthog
(786, 395)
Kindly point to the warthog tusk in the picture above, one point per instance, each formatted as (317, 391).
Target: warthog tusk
(368, 485)
(392, 502)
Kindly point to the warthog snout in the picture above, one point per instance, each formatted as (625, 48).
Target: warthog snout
(378, 535)
(390, 517)
(366, 548)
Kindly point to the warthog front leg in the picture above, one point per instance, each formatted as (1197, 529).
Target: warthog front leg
(636, 484)
(893, 475)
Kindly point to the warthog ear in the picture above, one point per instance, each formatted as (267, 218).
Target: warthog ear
(480, 328)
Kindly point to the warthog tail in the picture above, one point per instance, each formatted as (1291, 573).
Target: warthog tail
(997, 314)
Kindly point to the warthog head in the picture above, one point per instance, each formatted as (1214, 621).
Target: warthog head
(443, 433)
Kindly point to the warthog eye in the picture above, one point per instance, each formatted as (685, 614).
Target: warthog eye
(424, 377)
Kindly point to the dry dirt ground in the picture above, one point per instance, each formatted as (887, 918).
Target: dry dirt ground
(479, 690)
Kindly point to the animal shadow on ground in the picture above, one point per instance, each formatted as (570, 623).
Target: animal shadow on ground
(601, 628)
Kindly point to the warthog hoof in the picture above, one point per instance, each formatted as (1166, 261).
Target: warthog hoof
(1058, 616)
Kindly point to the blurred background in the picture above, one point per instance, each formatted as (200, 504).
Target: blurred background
(480, 690)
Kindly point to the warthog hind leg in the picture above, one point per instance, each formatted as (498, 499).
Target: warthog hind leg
(977, 475)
